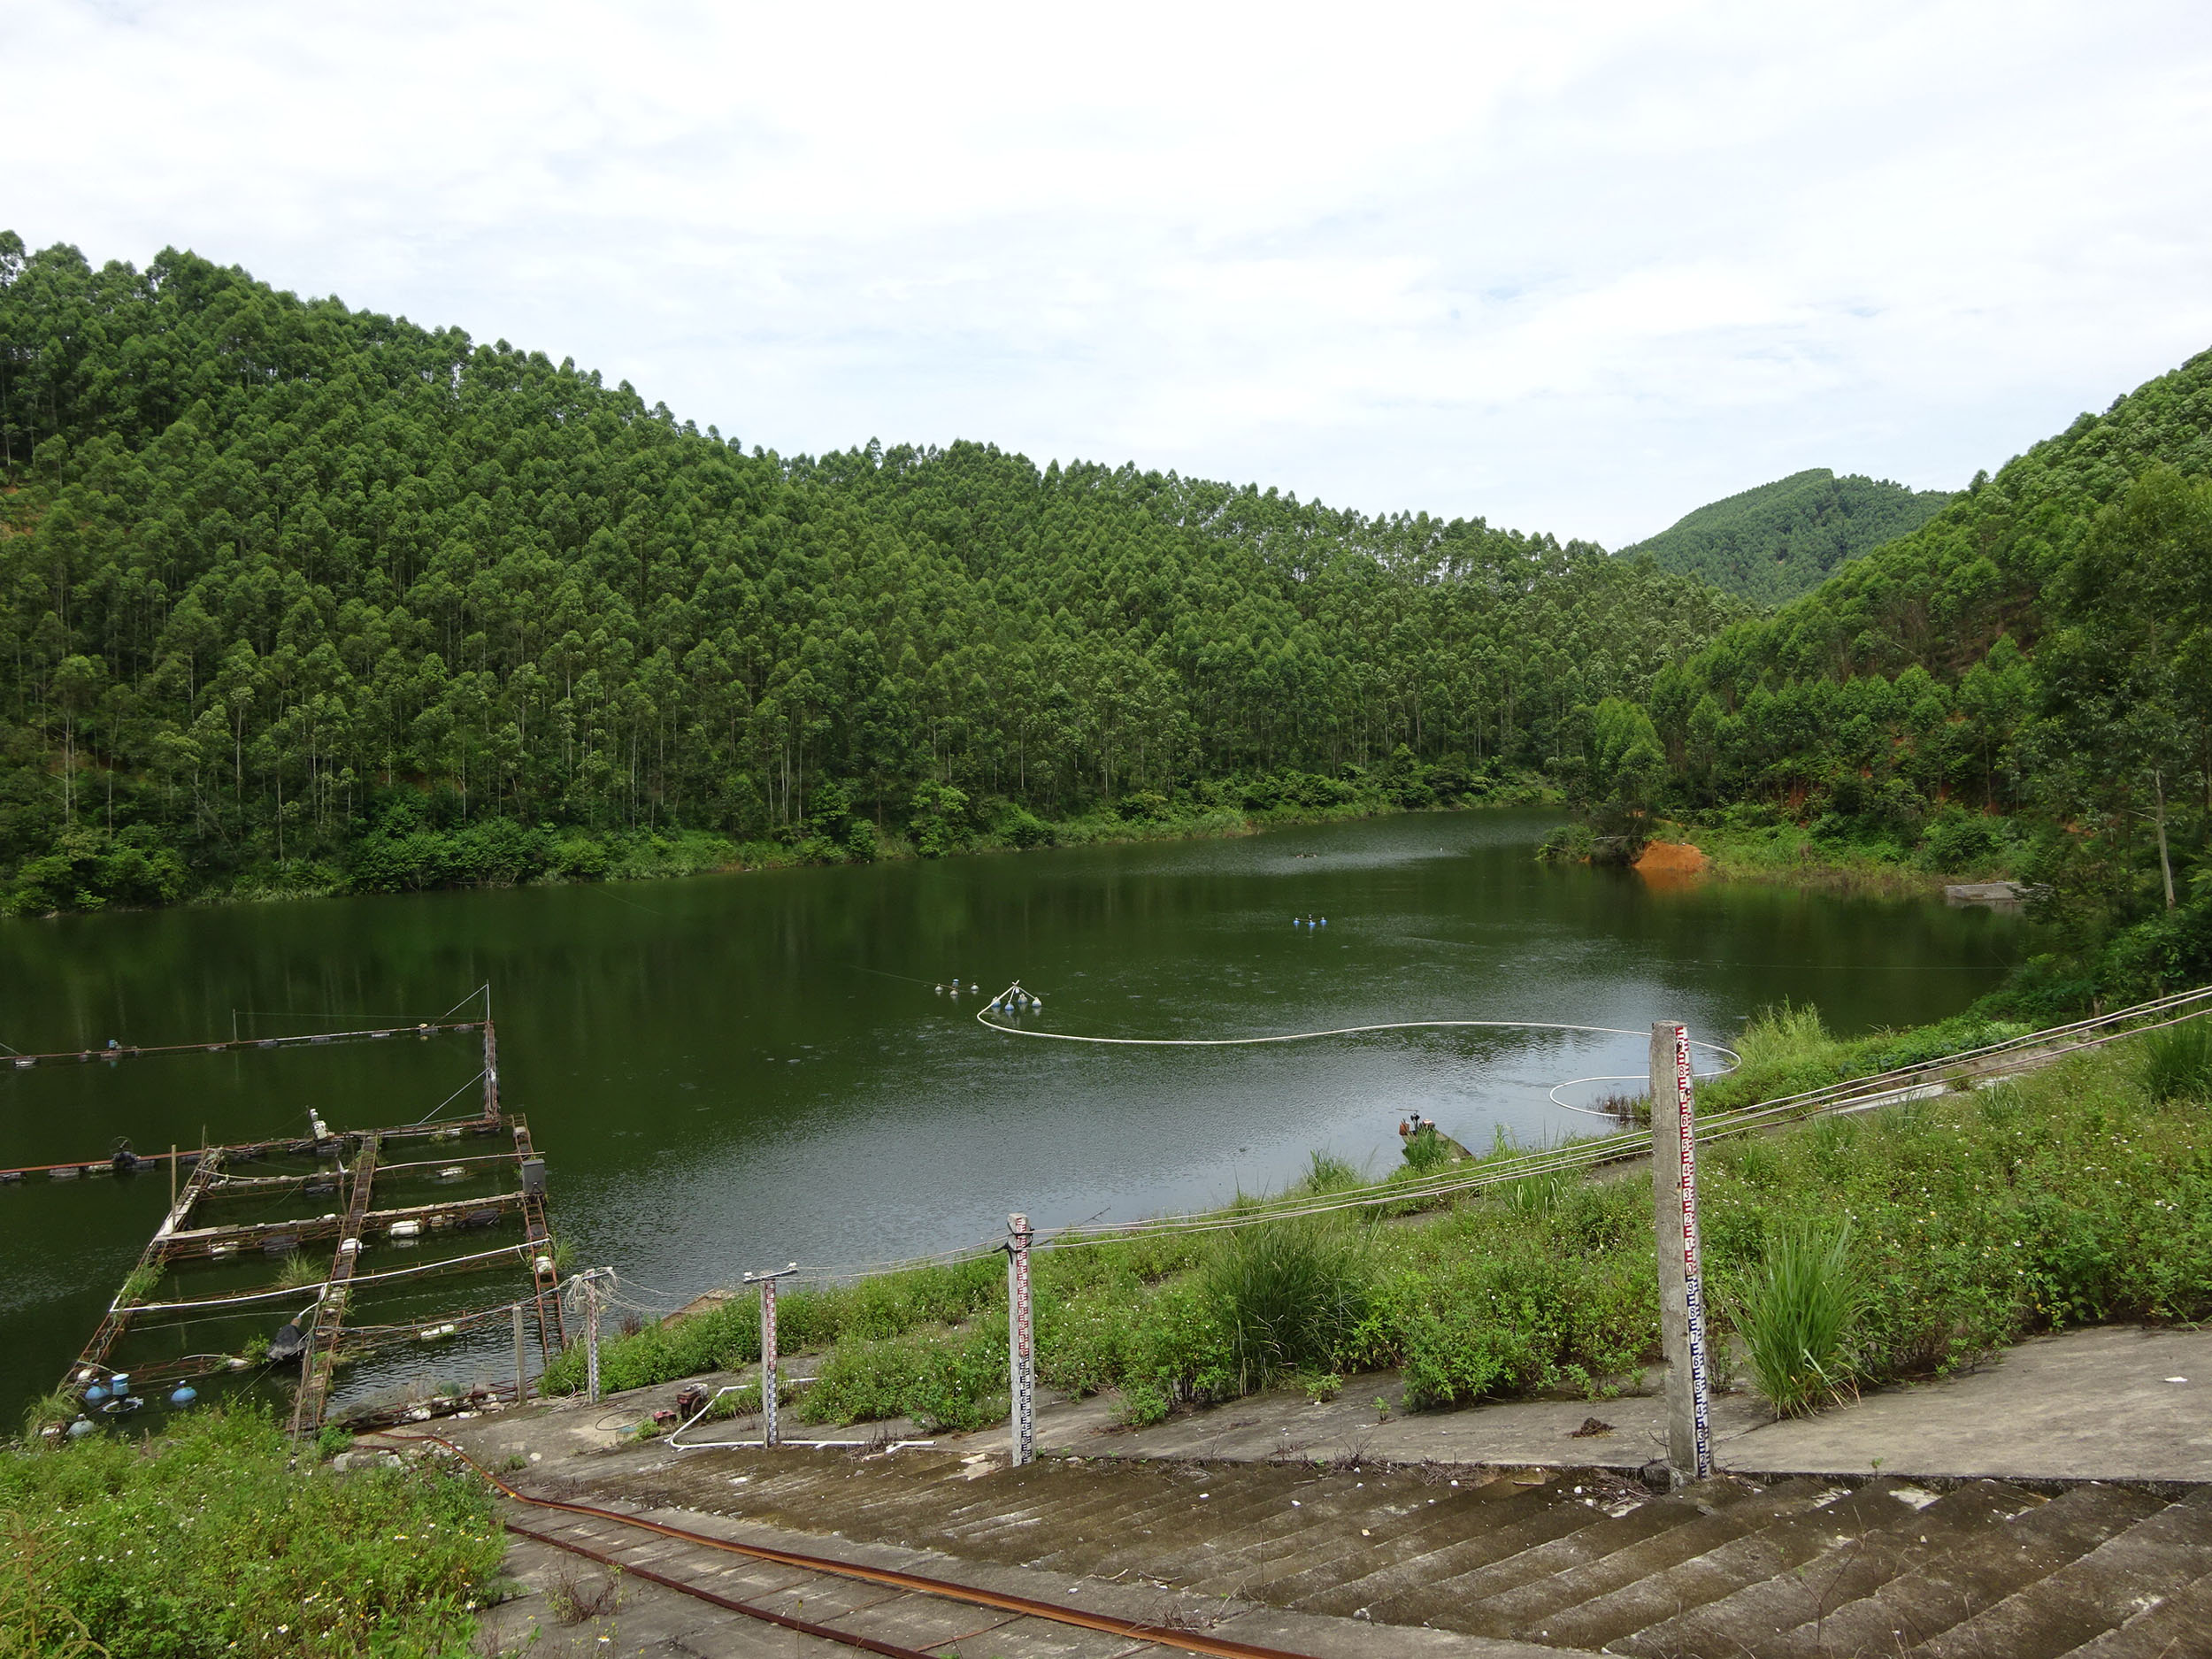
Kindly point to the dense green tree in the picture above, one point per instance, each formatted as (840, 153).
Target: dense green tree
(2031, 668)
(285, 587)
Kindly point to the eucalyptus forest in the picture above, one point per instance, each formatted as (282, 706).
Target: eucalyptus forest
(297, 597)
(300, 594)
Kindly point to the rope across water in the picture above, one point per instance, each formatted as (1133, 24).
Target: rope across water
(983, 1018)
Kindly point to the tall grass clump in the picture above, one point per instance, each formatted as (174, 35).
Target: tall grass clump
(1288, 1295)
(1795, 1315)
(1326, 1172)
(1425, 1153)
(2177, 1061)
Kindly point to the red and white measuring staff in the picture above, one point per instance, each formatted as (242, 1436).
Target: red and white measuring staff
(1021, 1340)
(1692, 1278)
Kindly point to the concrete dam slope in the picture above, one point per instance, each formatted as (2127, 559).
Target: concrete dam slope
(1496, 1532)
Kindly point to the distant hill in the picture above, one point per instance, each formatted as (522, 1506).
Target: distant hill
(1784, 539)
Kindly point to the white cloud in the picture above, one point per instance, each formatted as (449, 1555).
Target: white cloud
(1578, 269)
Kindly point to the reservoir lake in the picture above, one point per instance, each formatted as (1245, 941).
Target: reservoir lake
(731, 1072)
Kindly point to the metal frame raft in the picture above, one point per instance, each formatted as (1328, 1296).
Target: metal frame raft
(176, 1239)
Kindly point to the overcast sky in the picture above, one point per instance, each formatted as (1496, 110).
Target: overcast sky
(1571, 268)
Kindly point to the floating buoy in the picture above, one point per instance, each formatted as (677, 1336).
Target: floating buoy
(451, 1173)
(119, 1384)
(1325, 921)
(184, 1396)
(94, 1394)
(407, 1229)
(82, 1427)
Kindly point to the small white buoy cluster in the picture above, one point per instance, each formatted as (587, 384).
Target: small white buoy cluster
(955, 987)
(1309, 921)
(1015, 1000)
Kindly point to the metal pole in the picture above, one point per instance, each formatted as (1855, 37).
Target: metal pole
(1021, 1347)
(522, 1374)
(1681, 1288)
(767, 1283)
(172, 1177)
(591, 1336)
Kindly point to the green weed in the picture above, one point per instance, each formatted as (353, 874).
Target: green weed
(208, 1541)
(1289, 1294)
(1795, 1315)
(1328, 1173)
(2177, 1062)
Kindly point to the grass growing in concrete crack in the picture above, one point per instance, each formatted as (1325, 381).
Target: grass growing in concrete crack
(2073, 1197)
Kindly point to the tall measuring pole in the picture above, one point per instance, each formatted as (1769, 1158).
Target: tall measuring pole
(590, 1286)
(1021, 1347)
(1681, 1288)
(522, 1372)
(768, 1435)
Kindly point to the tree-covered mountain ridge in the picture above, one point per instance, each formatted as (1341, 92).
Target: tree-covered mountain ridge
(1781, 540)
(2023, 684)
(300, 595)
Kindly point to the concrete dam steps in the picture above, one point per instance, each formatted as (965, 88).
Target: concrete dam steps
(1574, 1561)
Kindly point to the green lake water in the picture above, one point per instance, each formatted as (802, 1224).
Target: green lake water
(736, 1072)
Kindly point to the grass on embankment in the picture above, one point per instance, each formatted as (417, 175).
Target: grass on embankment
(207, 1541)
(1757, 844)
(2070, 1197)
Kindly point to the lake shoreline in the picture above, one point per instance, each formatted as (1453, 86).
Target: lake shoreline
(1156, 1315)
(662, 858)
(1793, 858)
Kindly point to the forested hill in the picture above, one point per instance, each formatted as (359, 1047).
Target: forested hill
(1786, 538)
(297, 594)
(2023, 683)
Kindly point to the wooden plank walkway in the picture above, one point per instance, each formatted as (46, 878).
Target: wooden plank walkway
(330, 1311)
(91, 1364)
(545, 1273)
(198, 1243)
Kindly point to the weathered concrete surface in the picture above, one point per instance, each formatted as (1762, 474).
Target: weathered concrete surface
(2086, 1405)
(1350, 1527)
(651, 1619)
(2094, 1404)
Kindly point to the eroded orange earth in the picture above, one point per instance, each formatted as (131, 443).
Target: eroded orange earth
(1670, 863)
